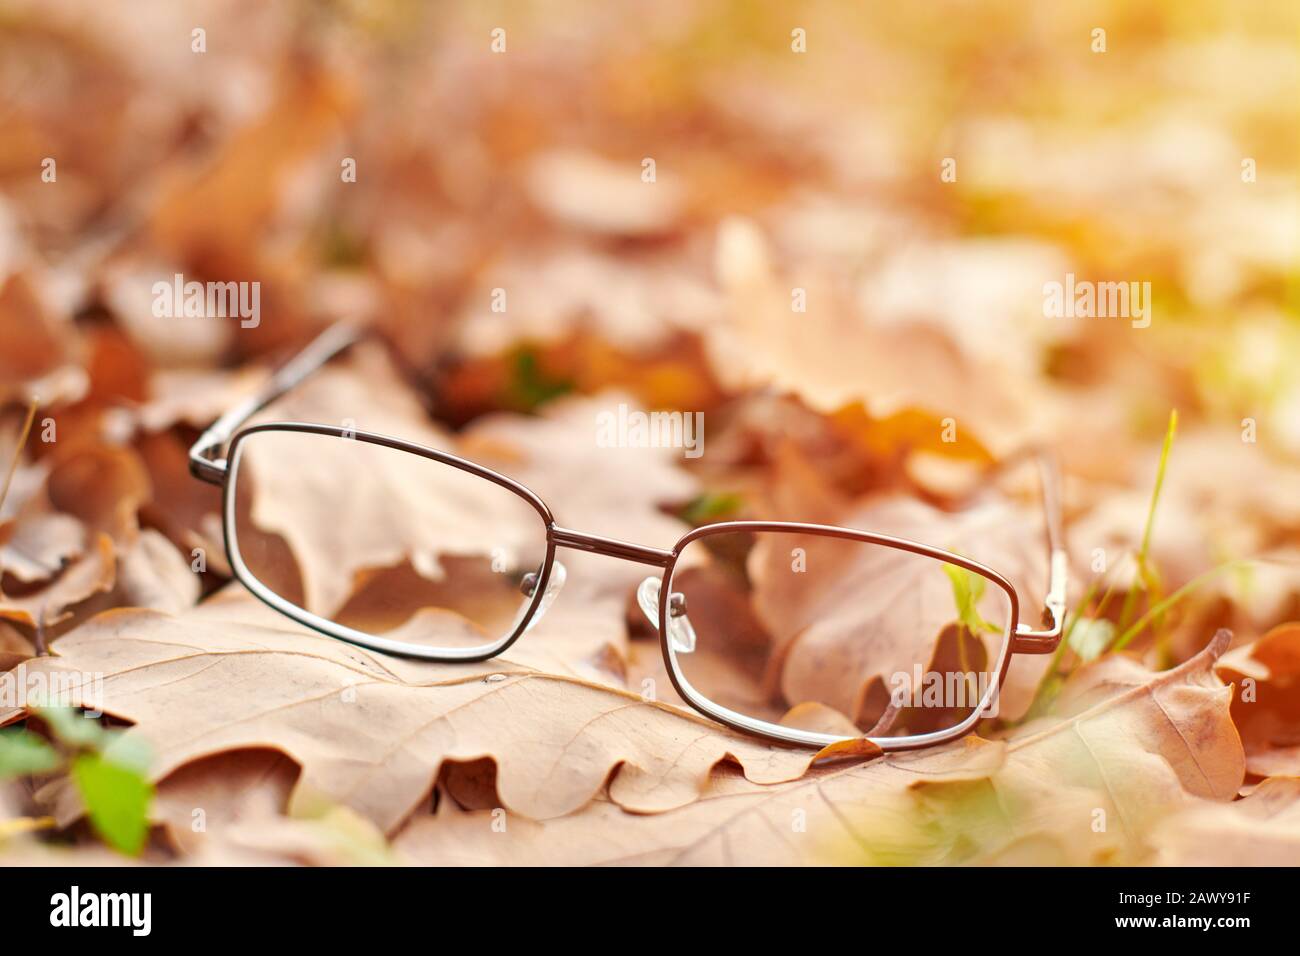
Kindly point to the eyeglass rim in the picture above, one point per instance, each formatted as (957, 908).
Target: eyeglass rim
(806, 738)
(376, 642)
(557, 536)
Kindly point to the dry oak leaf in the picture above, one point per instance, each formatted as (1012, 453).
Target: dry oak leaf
(38, 545)
(617, 492)
(14, 647)
(735, 821)
(244, 797)
(582, 639)
(195, 397)
(602, 196)
(153, 574)
(912, 375)
(1267, 710)
(1220, 497)
(1138, 745)
(397, 495)
(371, 732)
(1134, 744)
(228, 788)
(92, 573)
(104, 486)
(185, 510)
(1262, 829)
(837, 648)
(210, 212)
(37, 352)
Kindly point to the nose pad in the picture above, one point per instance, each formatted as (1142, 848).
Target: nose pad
(528, 586)
(680, 631)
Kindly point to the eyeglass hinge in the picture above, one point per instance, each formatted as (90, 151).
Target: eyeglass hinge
(209, 470)
(1030, 641)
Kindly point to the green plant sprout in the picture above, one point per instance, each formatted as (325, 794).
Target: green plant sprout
(108, 768)
(967, 591)
(712, 506)
(1148, 578)
(530, 385)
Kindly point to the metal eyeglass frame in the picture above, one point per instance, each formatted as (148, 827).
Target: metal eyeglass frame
(655, 595)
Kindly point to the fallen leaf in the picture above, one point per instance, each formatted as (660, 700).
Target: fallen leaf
(602, 196)
(847, 616)
(153, 574)
(195, 397)
(93, 573)
(371, 732)
(856, 747)
(104, 488)
(1262, 829)
(39, 546)
(209, 213)
(236, 807)
(1266, 706)
(345, 508)
(734, 822)
(1140, 746)
(14, 647)
(37, 353)
(834, 357)
(617, 492)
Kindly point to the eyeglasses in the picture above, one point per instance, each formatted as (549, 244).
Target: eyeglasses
(805, 634)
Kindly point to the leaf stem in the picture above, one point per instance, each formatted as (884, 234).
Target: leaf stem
(19, 825)
(1146, 578)
(1161, 606)
(18, 450)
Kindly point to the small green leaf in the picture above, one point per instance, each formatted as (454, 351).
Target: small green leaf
(712, 506)
(967, 590)
(23, 753)
(530, 385)
(72, 727)
(129, 751)
(1090, 637)
(117, 801)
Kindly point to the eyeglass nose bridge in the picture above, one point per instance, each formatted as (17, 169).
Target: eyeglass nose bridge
(596, 544)
(680, 631)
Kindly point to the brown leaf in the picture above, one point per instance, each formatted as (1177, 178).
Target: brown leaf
(602, 196)
(36, 353)
(93, 573)
(14, 647)
(371, 732)
(1263, 829)
(734, 822)
(879, 612)
(40, 545)
(857, 747)
(198, 801)
(616, 492)
(912, 375)
(209, 214)
(1147, 744)
(1267, 709)
(104, 487)
(195, 397)
(574, 638)
(398, 512)
(154, 575)
(236, 808)
(185, 510)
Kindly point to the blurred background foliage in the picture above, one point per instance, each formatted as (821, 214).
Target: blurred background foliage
(482, 171)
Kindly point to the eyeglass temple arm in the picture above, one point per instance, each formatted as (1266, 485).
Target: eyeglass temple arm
(1044, 640)
(205, 463)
